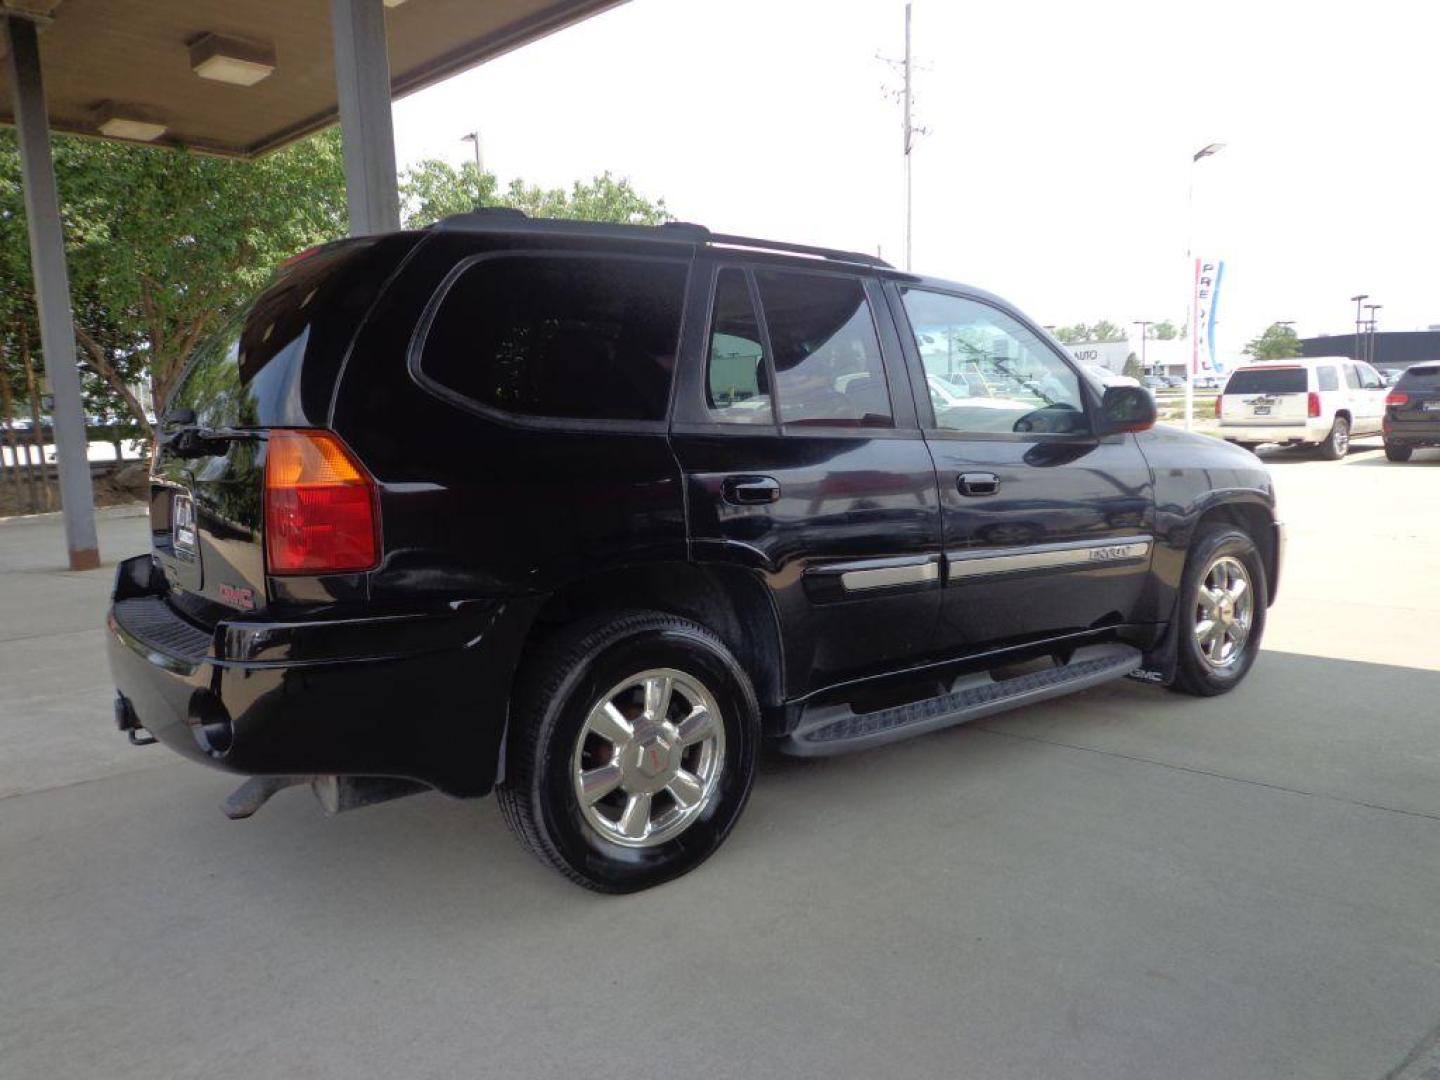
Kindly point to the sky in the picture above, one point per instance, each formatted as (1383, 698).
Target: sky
(1057, 169)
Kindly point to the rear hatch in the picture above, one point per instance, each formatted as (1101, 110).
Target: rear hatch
(1266, 394)
(274, 364)
(1416, 397)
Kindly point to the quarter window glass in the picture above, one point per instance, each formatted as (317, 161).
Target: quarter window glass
(570, 338)
(738, 387)
(1370, 378)
(1352, 380)
(1327, 378)
(827, 358)
(987, 373)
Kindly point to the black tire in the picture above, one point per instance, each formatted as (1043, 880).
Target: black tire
(1394, 452)
(558, 688)
(1337, 443)
(1193, 674)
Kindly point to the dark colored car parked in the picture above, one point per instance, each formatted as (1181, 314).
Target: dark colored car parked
(585, 514)
(1412, 412)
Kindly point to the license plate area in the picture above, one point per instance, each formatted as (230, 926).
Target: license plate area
(1262, 410)
(182, 527)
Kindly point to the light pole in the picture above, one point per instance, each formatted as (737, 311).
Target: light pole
(1370, 344)
(1358, 300)
(1144, 325)
(474, 137)
(1208, 150)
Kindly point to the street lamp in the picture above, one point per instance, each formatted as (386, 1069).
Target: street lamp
(1208, 150)
(1358, 299)
(474, 137)
(1144, 325)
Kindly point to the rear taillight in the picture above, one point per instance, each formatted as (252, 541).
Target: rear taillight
(1395, 397)
(1314, 409)
(319, 506)
(1219, 402)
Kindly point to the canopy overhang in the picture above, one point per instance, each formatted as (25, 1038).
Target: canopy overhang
(101, 56)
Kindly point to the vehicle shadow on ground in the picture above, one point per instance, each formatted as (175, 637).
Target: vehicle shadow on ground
(1297, 455)
(433, 860)
(1425, 457)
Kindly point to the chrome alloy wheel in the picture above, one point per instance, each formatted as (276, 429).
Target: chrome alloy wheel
(648, 758)
(1224, 609)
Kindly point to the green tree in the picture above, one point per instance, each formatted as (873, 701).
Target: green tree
(1082, 333)
(1105, 330)
(1163, 331)
(1278, 342)
(434, 189)
(163, 245)
(1132, 366)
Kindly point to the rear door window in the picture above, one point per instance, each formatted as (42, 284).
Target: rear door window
(827, 356)
(1352, 379)
(1327, 378)
(564, 337)
(1278, 380)
(737, 388)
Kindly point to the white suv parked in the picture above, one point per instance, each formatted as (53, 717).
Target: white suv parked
(1320, 401)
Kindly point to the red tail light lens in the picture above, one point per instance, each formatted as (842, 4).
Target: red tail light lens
(1395, 397)
(319, 506)
(1314, 404)
(1219, 403)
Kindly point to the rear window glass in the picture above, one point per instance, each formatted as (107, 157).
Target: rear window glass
(1327, 378)
(568, 337)
(1421, 377)
(245, 370)
(1287, 380)
(827, 357)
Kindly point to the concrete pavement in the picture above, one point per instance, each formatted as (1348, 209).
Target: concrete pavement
(1126, 883)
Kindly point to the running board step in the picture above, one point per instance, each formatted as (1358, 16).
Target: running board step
(836, 729)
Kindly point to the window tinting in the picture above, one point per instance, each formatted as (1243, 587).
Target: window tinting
(738, 386)
(827, 358)
(987, 373)
(1277, 380)
(566, 337)
(1328, 380)
(1420, 377)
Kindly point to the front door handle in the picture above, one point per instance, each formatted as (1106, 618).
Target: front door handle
(978, 483)
(750, 490)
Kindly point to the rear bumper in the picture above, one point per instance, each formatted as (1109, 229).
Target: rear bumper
(420, 696)
(1300, 431)
(1413, 432)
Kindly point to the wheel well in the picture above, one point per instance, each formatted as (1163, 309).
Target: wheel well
(1346, 413)
(729, 601)
(1257, 523)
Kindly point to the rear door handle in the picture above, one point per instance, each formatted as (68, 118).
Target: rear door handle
(750, 490)
(978, 483)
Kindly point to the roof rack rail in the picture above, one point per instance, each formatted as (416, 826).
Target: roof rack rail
(749, 243)
(507, 218)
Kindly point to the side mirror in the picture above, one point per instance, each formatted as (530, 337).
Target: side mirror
(1126, 408)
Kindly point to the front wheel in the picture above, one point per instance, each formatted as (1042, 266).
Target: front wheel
(1337, 443)
(631, 751)
(1395, 452)
(1221, 614)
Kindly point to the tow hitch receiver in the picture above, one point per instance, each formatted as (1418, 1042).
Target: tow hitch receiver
(129, 723)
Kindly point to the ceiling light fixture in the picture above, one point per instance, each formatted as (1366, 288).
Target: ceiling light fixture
(231, 60)
(138, 123)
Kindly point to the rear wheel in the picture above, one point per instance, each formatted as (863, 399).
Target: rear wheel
(1395, 452)
(1337, 443)
(631, 753)
(1222, 611)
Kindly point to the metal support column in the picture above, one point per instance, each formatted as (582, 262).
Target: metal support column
(362, 79)
(52, 293)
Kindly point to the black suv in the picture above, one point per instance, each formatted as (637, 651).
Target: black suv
(1412, 412)
(587, 513)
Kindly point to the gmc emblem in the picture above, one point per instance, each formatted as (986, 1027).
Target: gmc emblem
(236, 596)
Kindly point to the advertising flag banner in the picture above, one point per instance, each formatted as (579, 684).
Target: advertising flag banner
(1204, 303)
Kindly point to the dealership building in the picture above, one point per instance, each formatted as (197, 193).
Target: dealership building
(1161, 357)
(1393, 348)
